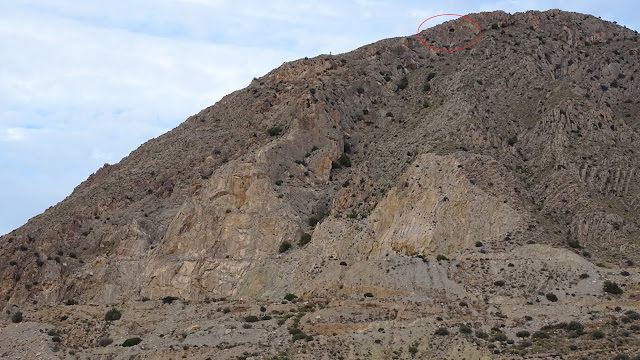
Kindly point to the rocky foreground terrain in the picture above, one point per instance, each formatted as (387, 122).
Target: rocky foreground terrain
(394, 202)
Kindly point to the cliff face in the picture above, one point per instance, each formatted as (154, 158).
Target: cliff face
(516, 159)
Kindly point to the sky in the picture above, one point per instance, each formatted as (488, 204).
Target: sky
(84, 83)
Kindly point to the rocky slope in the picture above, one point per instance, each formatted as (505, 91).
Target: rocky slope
(489, 191)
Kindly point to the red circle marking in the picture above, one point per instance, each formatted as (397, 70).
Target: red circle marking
(435, 48)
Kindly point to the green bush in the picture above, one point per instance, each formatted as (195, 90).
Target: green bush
(551, 297)
(299, 336)
(313, 221)
(426, 87)
(431, 76)
(360, 90)
(112, 315)
(425, 104)
(481, 334)
(523, 334)
(290, 297)
(251, 318)
(275, 130)
(284, 246)
(441, 257)
(597, 334)
(304, 239)
(465, 329)
(131, 342)
(16, 317)
(442, 331)
(500, 337)
(344, 160)
(478, 244)
(540, 335)
(105, 341)
(611, 288)
(499, 283)
(71, 302)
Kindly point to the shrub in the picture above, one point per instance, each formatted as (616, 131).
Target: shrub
(169, 299)
(131, 342)
(523, 334)
(251, 318)
(494, 26)
(499, 283)
(278, 182)
(112, 315)
(442, 331)
(368, 294)
(313, 221)
(404, 82)
(105, 341)
(71, 302)
(481, 334)
(478, 244)
(574, 244)
(597, 334)
(431, 76)
(56, 339)
(16, 317)
(426, 87)
(273, 131)
(284, 246)
(611, 288)
(425, 104)
(500, 337)
(299, 336)
(53, 332)
(344, 160)
(441, 257)
(360, 90)
(465, 329)
(551, 297)
(540, 335)
(226, 310)
(290, 297)
(304, 239)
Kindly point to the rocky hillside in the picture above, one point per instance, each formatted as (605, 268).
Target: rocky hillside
(420, 204)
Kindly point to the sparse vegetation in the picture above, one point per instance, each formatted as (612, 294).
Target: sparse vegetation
(16, 317)
(442, 331)
(112, 315)
(105, 341)
(284, 246)
(551, 297)
(290, 297)
(169, 299)
(404, 82)
(611, 288)
(251, 318)
(274, 131)
(442, 258)
(304, 239)
(131, 342)
(344, 160)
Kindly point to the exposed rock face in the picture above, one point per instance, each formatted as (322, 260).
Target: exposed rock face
(407, 181)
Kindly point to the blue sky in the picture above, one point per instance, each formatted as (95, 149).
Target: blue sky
(83, 83)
